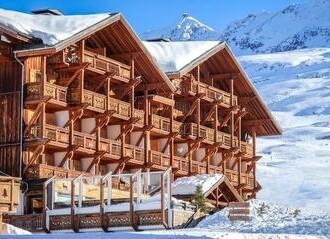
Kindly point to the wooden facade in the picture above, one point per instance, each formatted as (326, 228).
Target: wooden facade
(98, 103)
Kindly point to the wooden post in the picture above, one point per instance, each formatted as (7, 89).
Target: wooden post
(133, 87)
(232, 118)
(171, 143)
(254, 136)
(239, 167)
(198, 110)
(147, 121)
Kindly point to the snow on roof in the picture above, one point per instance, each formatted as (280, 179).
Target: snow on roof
(50, 29)
(173, 56)
(187, 185)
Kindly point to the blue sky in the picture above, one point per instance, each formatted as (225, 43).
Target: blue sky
(151, 14)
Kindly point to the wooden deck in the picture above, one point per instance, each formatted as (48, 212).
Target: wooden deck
(110, 202)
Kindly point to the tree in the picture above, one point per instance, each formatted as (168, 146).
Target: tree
(198, 199)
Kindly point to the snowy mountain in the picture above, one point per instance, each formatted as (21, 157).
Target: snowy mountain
(297, 26)
(295, 167)
(188, 29)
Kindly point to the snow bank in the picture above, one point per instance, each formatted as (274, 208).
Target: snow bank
(187, 185)
(173, 56)
(50, 29)
(271, 218)
(8, 229)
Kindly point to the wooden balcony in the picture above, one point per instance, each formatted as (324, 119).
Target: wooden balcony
(37, 91)
(9, 197)
(163, 124)
(113, 149)
(159, 160)
(190, 129)
(85, 141)
(190, 86)
(102, 64)
(181, 164)
(215, 169)
(198, 167)
(247, 149)
(38, 171)
(246, 179)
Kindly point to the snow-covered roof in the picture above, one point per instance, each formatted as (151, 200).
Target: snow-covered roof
(187, 185)
(50, 29)
(173, 56)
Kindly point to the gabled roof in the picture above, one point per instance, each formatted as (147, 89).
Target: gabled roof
(179, 58)
(58, 32)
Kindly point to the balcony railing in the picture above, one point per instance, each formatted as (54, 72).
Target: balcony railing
(159, 158)
(34, 91)
(247, 149)
(210, 92)
(106, 64)
(47, 171)
(84, 140)
(198, 167)
(164, 124)
(232, 175)
(190, 129)
(181, 163)
(120, 107)
(215, 169)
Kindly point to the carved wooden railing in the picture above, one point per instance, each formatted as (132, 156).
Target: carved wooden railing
(210, 92)
(247, 148)
(182, 164)
(159, 158)
(164, 124)
(47, 171)
(57, 134)
(106, 64)
(246, 179)
(9, 193)
(30, 222)
(190, 129)
(34, 91)
(120, 107)
(84, 140)
(136, 153)
(198, 167)
(215, 169)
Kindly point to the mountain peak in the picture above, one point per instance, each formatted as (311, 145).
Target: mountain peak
(188, 29)
(296, 26)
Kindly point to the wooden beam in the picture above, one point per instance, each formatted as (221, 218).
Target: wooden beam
(128, 126)
(36, 115)
(39, 151)
(121, 164)
(244, 101)
(193, 106)
(104, 79)
(194, 145)
(169, 137)
(145, 129)
(228, 116)
(125, 88)
(255, 123)
(76, 114)
(103, 120)
(224, 76)
(150, 86)
(67, 81)
(68, 155)
(212, 110)
(96, 160)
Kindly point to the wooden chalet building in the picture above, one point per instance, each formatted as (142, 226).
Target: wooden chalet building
(82, 94)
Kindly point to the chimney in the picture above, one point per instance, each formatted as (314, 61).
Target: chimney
(48, 11)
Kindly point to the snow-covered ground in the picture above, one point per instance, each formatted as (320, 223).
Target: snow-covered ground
(295, 167)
